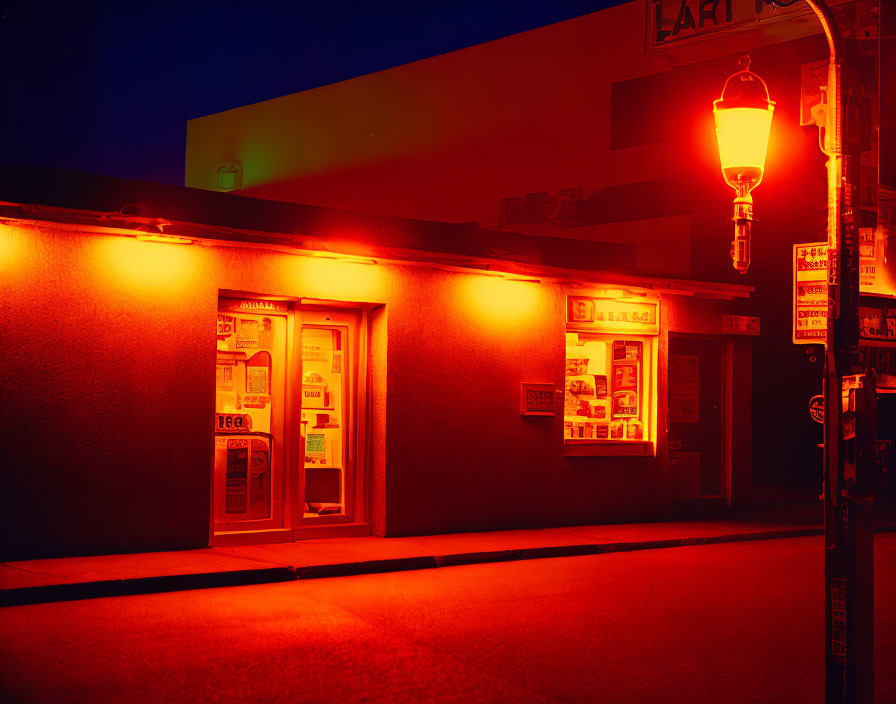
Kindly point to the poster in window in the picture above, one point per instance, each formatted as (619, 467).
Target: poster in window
(224, 377)
(626, 351)
(581, 309)
(256, 380)
(625, 376)
(225, 326)
(266, 334)
(247, 332)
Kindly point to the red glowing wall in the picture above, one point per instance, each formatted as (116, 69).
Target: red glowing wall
(109, 357)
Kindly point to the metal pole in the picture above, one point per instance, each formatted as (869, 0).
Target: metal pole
(849, 567)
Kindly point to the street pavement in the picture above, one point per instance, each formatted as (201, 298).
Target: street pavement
(66, 578)
(735, 622)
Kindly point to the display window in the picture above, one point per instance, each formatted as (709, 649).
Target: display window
(607, 387)
(609, 378)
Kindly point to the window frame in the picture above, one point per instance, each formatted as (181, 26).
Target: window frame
(649, 334)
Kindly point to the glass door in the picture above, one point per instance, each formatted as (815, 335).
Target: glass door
(250, 400)
(330, 481)
(288, 389)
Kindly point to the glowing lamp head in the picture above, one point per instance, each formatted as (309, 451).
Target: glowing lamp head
(743, 119)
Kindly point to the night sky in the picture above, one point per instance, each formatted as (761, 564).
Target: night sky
(108, 87)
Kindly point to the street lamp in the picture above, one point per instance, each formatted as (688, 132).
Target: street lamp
(743, 117)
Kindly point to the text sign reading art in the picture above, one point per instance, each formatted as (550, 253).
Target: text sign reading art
(673, 22)
(612, 315)
(537, 399)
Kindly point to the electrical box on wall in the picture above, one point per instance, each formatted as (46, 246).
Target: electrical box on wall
(537, 399)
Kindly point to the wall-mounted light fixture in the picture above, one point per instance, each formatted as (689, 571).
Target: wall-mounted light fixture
(230, 177)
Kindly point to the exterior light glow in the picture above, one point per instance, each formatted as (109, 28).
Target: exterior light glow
(743, 139)
(743, 116)
(501, 301)
(170, 239)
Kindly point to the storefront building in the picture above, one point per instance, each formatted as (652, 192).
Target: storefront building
(600, 129)
(185, 368)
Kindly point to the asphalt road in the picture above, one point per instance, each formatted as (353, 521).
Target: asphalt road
(741, 622)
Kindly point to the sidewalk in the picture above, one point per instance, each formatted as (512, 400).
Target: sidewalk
(62, 579)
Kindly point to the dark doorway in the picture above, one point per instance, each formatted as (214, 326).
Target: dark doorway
(697, 418)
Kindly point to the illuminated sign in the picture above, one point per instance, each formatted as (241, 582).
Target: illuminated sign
(877, 321)
(232, 423)
(612, 315)
(537, 399)
(255, 305)
(810, 293)
(810, 289)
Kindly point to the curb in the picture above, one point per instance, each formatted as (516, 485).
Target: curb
(45, 594)
(23, 596)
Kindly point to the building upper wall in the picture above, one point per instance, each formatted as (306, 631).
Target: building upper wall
(445, 138)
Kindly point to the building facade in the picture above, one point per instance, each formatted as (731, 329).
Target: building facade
(509, 303)
(600, 128)
(176, 378)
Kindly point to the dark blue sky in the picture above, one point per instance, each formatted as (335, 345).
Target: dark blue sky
(107, 87)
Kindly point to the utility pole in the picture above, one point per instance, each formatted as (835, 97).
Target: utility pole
(849, 411)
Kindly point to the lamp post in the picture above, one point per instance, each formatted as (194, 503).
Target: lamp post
(849, 391)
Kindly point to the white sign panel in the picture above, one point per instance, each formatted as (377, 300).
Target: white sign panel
(810, 293)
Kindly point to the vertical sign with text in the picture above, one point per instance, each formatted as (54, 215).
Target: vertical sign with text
(810, 293)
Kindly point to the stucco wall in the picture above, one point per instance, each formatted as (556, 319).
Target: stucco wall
(108, 388)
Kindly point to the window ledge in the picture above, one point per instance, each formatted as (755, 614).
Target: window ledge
(607, 448)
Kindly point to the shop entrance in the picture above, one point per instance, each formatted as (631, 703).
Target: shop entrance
(289, 400)
(698, 416)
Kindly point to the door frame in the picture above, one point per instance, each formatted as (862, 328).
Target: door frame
(358, 524)
(293, 525)
(278, 452)
(722, 500)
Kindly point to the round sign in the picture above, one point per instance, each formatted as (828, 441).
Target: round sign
(816, 409)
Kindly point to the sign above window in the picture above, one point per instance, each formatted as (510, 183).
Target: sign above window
(254, 305)
(612, 315)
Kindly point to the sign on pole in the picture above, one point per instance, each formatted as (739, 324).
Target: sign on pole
(810, 290)
(816, 409)
(810, 293)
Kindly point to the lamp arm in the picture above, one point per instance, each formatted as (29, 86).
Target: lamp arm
(835, 38)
